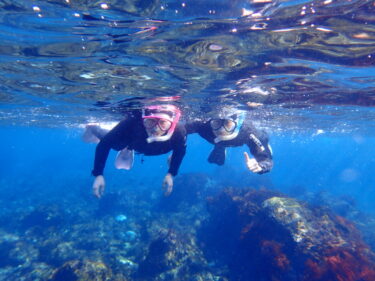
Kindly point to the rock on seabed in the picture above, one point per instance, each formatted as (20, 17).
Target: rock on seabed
(263, 235)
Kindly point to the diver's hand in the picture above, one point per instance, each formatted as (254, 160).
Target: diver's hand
(99, 186)
(252, 164)
(168, 184)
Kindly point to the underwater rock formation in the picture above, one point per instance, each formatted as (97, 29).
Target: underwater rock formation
(174, 256)
(345, 206)
(83, 271)
(236, 234)
(262, 235)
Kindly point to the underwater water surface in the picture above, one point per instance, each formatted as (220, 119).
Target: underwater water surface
(302, 70)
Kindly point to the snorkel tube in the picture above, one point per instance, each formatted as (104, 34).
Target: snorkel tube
(240, 119)
(160, 112)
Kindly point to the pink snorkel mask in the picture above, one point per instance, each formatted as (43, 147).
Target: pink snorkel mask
(168, 112)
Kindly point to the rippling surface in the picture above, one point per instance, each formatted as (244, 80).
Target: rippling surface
(295, 64)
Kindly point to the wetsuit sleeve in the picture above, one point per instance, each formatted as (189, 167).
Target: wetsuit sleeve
(106, 143)
(260, 148)
(179, 150)
(217, 155)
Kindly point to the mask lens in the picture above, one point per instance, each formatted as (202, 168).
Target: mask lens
(216, 124)
(229, 125)
(149, 123)
(164, 125)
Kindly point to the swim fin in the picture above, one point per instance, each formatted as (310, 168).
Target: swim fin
(124, 159)
(217, 155)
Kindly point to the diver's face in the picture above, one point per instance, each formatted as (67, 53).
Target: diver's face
(223, 127)
(154, 132)
(156, 127)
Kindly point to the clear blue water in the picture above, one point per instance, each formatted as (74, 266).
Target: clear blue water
(307, 65)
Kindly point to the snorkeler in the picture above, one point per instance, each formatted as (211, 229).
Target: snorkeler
(229, 128)
(154, 130)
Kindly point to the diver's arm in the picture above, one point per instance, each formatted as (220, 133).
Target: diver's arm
(177, 155)
(106, 143)
(260, 148)
(176, 159)
(101, 155)
(179, 150)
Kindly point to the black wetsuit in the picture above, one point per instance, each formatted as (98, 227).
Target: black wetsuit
(256, 140)
(130, 133)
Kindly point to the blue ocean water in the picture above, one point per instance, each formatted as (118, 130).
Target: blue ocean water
(303, 71)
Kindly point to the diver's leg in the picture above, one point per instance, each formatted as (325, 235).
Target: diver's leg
(217, 155)
(94, 133)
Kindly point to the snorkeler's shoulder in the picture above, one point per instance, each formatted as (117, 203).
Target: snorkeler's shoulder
(252, 135)
(179, 136)
(180, 131)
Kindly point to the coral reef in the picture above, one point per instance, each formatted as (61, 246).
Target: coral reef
(343, 205)
(82, 271)
(202, 232)
(261, 235)
(171, 254)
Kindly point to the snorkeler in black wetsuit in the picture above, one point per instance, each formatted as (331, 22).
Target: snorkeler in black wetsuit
(153, 131)
(232, 128)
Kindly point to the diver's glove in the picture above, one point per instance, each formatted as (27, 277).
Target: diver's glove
(98, 186)
(252, 164)
(217, 155)
(168, 184)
